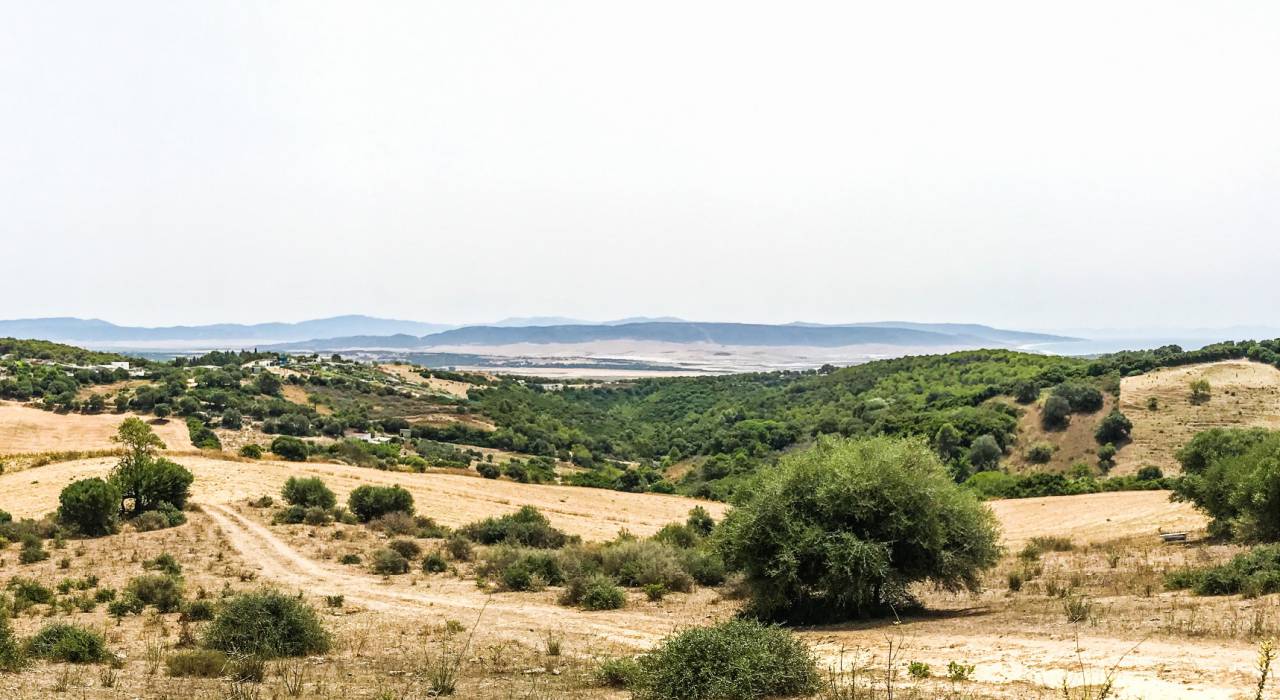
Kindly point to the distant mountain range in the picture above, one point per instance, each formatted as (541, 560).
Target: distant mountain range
(808, 335)
(94, 331)
(354, 332)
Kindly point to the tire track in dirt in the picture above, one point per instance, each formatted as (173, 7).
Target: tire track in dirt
(506, 613)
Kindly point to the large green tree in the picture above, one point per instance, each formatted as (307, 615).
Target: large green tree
(144, 479)
(842, 530)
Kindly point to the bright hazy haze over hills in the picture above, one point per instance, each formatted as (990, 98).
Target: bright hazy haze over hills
(1024, 166)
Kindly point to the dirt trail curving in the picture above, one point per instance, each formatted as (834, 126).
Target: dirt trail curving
(509, 614)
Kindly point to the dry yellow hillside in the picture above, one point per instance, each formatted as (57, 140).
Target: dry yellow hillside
(1073, 444)
(24, 429)
(1244, 394)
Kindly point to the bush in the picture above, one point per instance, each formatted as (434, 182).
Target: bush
(67, 643)
(165, 563)
(526, 527)
(677, 535)
(317, 516)
(289, 448)
(1200, 391)
(251, 451)
(308, 492)
(91, 506)
(735, 660)
(519, 569)
(618, 673)
(163, 592)
(488, 470)
(125, 605)
(1056, 413)
(397, 523)
(172, 514)
(32, 552)
(12, 657)
(459, 548)
(599, 592)
(1150, 473)
(841, 530)
(700, 521)
(267, 624)
(434, 563)
(985, 453)
(1253, 573)
(197, 663)
(369, 502)
(291, 515)
(199, 610)
(706, 567)
(1040, 453)
(638, 563)
(389, 563)
(405, 548)
(30, 591)
(1081, 397)
(1113, 428)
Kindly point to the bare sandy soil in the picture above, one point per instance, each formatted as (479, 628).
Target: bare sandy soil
(1243, 394)
(24, 429)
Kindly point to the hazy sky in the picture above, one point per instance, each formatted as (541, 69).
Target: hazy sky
(1027, 164)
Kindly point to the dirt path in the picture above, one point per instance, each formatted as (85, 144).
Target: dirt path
(508, 614)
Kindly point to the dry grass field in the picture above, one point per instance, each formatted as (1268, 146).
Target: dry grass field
(389, 631)
(447, 387)
(1244, 394)
(25, 430)
(1073, 444)
(450, 499)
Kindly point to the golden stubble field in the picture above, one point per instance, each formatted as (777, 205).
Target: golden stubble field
(1244, 394)
(24, 429)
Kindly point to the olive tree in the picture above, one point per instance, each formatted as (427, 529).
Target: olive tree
(1113, 428)
(1056, 413)
(985, 453)
(841, 530)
